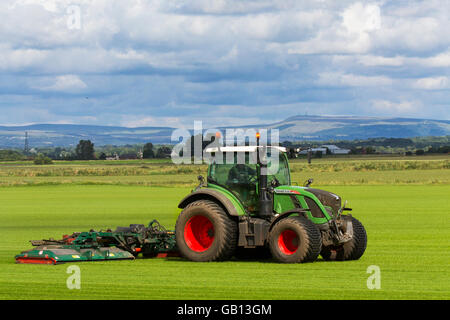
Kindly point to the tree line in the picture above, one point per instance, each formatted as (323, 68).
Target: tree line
(85, 149)
(406, 146)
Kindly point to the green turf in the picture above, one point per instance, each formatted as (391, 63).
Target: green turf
(408, 238)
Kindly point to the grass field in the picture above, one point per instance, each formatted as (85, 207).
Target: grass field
(327, 171)
(405, 211)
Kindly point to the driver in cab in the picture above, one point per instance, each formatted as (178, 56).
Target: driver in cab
(242, 173)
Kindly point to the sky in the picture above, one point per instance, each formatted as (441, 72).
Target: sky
(141, 63)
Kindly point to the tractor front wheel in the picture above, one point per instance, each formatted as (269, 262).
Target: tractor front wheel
(351, 250)
(204, 232)
(295, 240)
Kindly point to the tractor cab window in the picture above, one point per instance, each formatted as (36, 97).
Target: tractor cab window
(240, 178)
(281, 174)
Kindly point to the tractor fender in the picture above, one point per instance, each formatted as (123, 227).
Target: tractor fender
(299, 212)
(209, 194)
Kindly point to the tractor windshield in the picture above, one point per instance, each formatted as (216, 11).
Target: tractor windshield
(281, 173)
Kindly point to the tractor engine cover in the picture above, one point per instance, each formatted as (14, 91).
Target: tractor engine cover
(327, 198)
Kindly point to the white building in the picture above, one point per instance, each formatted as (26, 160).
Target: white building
(335, 149)
(314, 150)
(115, 157)
(331, 147)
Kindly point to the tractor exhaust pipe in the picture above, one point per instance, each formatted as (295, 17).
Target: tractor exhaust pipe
(265, 199)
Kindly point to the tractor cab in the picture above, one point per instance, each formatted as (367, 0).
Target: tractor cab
(237, 170)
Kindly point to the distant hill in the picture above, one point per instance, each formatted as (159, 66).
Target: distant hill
(351, 128)
(40, 135)
(294, 129)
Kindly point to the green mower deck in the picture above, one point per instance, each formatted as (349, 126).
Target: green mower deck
(121, 244)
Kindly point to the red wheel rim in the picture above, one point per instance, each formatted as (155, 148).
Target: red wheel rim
(288, 242)
(199, 233)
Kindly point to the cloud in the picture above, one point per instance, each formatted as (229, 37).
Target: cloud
(435, 83)
(352, 80)
(65, 83)
(394, 108)
(145, 121)
(360, 18)
(439, 60)
(374, 61)
(150, 62)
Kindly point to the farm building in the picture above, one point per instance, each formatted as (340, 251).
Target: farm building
(330, 147)
(335, 149)
(314, 150)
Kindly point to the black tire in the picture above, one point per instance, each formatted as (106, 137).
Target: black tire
(204, 232)
(295, 240)
(352, 250)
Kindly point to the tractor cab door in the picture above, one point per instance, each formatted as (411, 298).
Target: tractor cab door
(239, 177)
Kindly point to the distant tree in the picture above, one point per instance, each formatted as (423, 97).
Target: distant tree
(420, 152)
(163, 152)
(291, 153)
(42, 159)
(85, 150)
(432, 150)
(147, 152)
(408, 153)
(11, 155)
(444, 149)
(102, 156)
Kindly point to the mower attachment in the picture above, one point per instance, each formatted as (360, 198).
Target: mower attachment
(70, 253)
(123, 243)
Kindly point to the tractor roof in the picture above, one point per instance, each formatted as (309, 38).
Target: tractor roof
(242, 149)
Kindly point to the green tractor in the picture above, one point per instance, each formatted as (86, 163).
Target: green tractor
(240, 208)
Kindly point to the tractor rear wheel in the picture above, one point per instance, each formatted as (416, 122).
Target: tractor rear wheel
(351, 250)
(204, 232)
(295, 240)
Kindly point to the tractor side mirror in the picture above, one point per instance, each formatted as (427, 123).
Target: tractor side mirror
(275, 183)
(201, 181)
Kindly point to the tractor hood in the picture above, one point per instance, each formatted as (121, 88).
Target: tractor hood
(327, 198)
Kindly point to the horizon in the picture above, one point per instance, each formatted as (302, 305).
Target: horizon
(262, 124)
